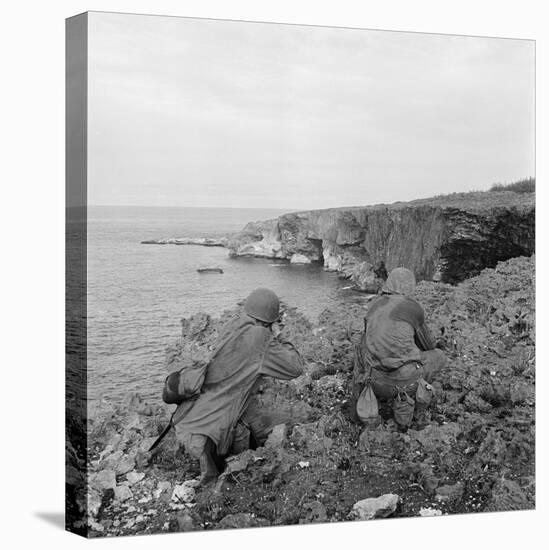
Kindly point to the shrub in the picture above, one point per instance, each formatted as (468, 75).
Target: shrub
(527, 185)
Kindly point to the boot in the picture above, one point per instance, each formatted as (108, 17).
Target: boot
(208, 469)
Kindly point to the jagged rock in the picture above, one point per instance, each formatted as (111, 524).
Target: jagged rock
(365, 277)
(134, 477)
(122, 492)
(370, 508)
(310, 437)
(429, 512)
(240, 462)
(508, 495)
(427, 478)
(185, 492)
(450, 493)
(103, 480)
(242, 521)
(277, 437)
(119, 462)
(163, 488)
(94, 502)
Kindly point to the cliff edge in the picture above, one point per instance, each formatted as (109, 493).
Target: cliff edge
(447, 238)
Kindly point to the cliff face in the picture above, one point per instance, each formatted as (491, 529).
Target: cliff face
(443, 239)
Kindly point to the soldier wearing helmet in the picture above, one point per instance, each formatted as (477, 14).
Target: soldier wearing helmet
(396, 358)
(221, 420)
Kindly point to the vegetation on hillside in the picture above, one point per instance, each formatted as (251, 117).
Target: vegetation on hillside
(527, 185)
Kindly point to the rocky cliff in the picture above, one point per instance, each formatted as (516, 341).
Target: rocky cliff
(474, 451)
(443, 239)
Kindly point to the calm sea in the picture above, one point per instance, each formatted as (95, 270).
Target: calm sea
(137, 293)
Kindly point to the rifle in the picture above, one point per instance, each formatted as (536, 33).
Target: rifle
(179, 413)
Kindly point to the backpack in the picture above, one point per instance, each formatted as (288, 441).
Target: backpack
(184, 384)
(366, 405)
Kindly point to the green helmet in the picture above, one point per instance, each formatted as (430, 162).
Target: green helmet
(400, 281)
(263, 304)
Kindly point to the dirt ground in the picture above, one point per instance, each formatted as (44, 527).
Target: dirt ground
(473, 452)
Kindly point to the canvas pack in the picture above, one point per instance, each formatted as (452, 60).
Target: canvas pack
(268, 224)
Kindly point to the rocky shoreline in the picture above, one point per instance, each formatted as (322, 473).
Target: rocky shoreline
(447, 239)
(474, 453)
(190, 241)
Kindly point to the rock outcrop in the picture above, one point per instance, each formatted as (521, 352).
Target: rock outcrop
(196, 241)
(476, 453)
(444, 239)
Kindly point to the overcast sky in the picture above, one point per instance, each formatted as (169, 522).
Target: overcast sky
(190, 112)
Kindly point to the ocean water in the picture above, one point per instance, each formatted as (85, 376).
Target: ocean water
(137, 294)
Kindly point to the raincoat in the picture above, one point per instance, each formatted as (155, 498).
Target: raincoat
(244, 352)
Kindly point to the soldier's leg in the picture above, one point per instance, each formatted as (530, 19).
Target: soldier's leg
(261, 421)
(202, 448)
(241, 439)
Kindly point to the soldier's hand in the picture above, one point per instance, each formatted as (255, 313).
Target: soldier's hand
(277, 329)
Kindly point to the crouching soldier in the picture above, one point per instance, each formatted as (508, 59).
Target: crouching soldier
(396, 358)
(219, 421)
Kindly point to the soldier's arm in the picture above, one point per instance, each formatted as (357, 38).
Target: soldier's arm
(423, 337)
(282, 360)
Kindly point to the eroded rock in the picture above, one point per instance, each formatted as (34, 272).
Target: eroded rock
(103, 480)
(371, 508)
(277, 437)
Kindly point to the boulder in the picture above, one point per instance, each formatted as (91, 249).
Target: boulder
(134, 477)
(185, 492)
(103, 480)
(371, 508)
(277, 437)
(163, 488)
(124, 465)
(122, 492)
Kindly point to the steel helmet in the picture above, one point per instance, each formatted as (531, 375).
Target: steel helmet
(400, 281)
(262, 304)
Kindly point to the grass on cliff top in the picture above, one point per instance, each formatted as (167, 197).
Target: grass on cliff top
(519, 194)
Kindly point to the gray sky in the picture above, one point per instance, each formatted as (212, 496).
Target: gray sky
(190, 112)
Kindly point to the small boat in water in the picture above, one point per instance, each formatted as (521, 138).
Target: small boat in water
(209, 270)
